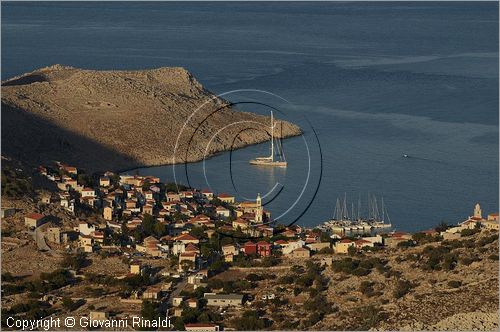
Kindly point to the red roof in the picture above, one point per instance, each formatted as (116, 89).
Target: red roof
(224, 195)
(191, 247)
(185, 237)
(35, 216)
(346, 241)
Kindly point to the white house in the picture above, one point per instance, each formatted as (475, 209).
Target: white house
(291, 246)
(88, 192)
(85, 228)
(178, 248)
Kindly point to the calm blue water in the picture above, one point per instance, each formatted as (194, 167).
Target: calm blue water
(373, 80)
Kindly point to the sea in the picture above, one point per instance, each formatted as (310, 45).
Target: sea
(397, 100)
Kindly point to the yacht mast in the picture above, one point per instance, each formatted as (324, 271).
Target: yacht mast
(272, 137)
(359, 207)
(383, 209)
(344, 208)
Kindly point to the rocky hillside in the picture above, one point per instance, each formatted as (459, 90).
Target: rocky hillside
(120, 119)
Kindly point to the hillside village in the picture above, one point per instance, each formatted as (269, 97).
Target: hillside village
(116, 246)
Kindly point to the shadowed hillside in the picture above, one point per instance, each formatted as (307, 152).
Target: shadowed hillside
(120, 119)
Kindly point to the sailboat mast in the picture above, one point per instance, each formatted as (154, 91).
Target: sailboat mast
(272, 137)
(359, 207)
(383, 209)
(346, 211)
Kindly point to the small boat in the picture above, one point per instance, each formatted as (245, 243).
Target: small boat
(270, 161)
(406, 156)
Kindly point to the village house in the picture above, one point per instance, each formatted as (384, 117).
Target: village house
(223, 212)
(250, 248)
(201, 220)
(229, 251)
(86, 243)
(300, 253)
(362, 243)
(192, 303)
(88, 192)
(492, 222)
(136, 267)
(148, 195)
(177, 300)
(223, 300)
(264, 248)
(34, 220)
(85, 228)
(68, 169)
(280, 244)
(377, 239)
(394, 238)
(264, 231)
(207, 194)
(152, 293)
(291, 246)
(66, 202)
(134, 223)
(493, 217)
(69, 182)
(226, 198)
(173, 197)
(97, 236)
(241, 224)
(104, 181)
(147, 209)
(289, 233)
(178, 247)
(150, 246)
(317, 246)
(187, 257)
(187, 238)
(108, 213)
(342, 247)
(196, 280)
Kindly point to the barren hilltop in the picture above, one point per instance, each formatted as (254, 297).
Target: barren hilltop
(121, 119)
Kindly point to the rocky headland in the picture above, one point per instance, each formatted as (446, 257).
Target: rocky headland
(121, 119)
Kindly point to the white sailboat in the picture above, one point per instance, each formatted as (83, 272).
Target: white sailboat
(270, 161)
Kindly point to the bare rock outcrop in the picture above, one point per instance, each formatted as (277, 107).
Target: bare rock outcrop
(121, 119)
